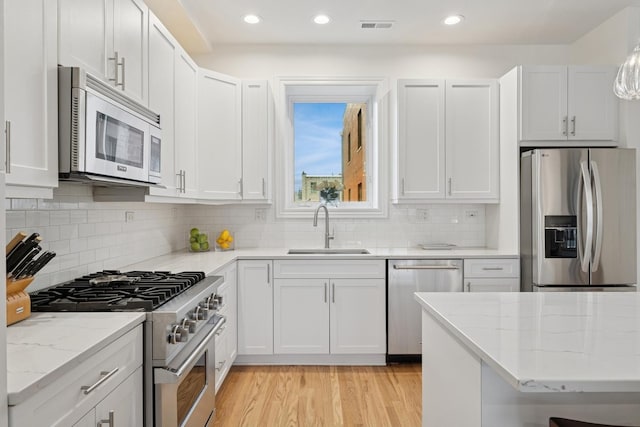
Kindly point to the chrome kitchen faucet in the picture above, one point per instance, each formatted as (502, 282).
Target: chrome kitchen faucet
(327, 236)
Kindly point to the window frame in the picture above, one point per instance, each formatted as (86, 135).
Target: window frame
(371, 91)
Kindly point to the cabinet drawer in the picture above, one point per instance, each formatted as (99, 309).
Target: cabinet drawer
(493, 284)
(324, 269)
(64, 402)
(498, 267)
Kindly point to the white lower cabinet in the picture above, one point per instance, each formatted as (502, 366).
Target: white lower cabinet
(227, 335)
(330, 314)
(492, 275)
(108, 385)
(255, 307)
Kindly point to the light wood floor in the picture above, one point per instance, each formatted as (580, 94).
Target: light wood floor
(321, 396)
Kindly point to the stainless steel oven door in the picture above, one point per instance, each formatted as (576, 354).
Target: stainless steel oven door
(117, 141)
(185, 390)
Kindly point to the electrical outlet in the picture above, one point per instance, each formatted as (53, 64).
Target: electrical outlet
(260, 215)
(471, 213)
(422, 214)
(129, 216)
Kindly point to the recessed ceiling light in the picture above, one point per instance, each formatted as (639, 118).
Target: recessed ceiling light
(251, 19)
(321, 19)
(453, 19)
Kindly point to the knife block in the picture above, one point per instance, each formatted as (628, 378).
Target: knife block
(18, 301)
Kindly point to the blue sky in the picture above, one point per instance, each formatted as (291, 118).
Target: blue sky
(318, 144)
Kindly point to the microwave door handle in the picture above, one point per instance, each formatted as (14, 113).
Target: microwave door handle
(599, 220)
(588, 244)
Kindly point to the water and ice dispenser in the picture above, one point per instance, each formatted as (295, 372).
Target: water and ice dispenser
(560, 236)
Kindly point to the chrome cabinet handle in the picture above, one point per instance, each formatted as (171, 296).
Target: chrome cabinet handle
(105, 375)
(179, 184)
(7, 158)
(220, 365)
(565, 126)
(115, 67)
(449, 186)
(123, 74)
(468, 286)
(573, 126)
(268, 273)
(402, 186)
(325, 291)
(333, 292)
(111, 421)
(220, 330)
(264, 189)
(426, 267)
(184, 181)
(492, 268)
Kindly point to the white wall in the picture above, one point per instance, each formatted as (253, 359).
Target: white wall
(448, 222)
(88, 236)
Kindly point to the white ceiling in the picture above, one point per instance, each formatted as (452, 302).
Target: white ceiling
(416, 21)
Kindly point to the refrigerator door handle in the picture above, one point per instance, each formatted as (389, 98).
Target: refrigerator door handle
(599, 221)
(585, 251)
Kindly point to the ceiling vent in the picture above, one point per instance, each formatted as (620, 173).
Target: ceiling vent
(376, 24)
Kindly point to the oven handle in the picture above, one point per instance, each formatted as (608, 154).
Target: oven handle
(172, 376)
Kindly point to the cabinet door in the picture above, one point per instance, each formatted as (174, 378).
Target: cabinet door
(130, 42)
(592, 106)
(222, 361)
(543, 100)
(89, 420)
(472, 139)
(185, 124)
(124, 404)
(511, 284)
(85, 28)
(255, 307)
(358, 316)
(162, 77)
(421, 128)
(301, 316)
(30, 94)
(256, 140)
(219, 136)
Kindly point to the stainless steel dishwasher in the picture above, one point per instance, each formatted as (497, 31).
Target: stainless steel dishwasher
(404, 324)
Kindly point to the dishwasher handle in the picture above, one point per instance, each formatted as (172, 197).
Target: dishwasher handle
(425, 267)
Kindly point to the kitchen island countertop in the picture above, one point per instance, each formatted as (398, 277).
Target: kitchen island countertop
(516, 359)
(46, 346)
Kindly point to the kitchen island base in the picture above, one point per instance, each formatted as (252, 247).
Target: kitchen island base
(460, 389)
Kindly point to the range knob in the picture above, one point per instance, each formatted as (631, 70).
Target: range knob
(210, 302)
(178, 334)
(188, 324)
(200, 313)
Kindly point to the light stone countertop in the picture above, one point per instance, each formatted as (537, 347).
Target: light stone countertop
(548, 342)
(209, 262)
(46, 346)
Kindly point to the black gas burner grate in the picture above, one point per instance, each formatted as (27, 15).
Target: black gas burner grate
(111, 290)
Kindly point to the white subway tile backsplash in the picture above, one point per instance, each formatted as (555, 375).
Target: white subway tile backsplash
(37, 218)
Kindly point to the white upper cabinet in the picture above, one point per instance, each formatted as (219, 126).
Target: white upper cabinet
(256, 140)
(448, 140)
(219, 136)
(109, 39)
(186, 150)
(162, 74)
(472, 139)
(30, 98)
(568, 103)
(421, 151)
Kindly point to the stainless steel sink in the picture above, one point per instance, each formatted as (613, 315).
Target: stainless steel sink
(336, 251)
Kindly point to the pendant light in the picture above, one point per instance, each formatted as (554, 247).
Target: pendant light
(627, 84)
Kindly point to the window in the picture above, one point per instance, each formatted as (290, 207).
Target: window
(319, 124)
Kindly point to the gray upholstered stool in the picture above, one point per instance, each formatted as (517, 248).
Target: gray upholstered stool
(563, 422)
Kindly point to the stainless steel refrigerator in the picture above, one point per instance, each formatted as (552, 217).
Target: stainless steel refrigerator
(578, 219)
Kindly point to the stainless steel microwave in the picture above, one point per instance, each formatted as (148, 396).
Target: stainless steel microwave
(103, 135)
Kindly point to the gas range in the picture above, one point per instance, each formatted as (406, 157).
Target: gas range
(179, 330)
(177, 304)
